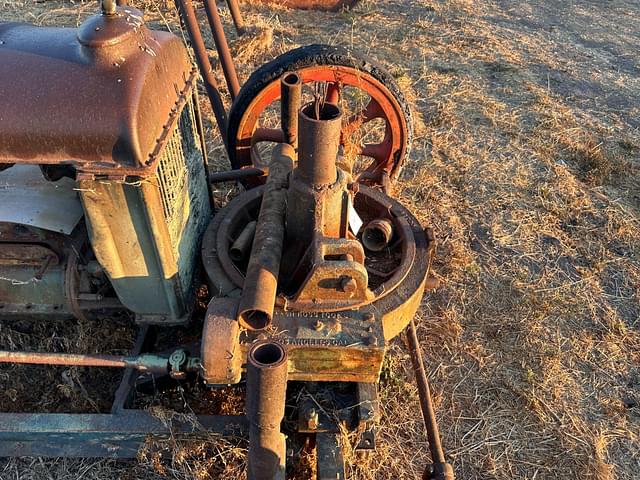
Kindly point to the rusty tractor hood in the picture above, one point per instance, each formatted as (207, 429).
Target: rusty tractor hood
(97, 97)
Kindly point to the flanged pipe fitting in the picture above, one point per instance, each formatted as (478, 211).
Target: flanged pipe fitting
(377, 234)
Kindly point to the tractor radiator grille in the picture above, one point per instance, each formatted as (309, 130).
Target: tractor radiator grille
(178, 165)
(182, 183)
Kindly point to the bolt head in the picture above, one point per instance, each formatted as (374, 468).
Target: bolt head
(348, 285)
(312, 419)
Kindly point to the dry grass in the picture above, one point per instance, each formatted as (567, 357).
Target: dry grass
(526, 163)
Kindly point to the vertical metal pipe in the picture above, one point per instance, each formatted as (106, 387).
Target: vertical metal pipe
(222, 47)
(261, 281)
(290, 98)
(188, 14)
(236, 15)
(266, 393)
(318, 147)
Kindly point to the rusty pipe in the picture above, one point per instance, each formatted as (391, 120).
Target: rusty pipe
(318, 147)
(290, 98)
(145, 362)
(267, 371)
(377, 234)
(235, 175)
(222, 46)
(236, 15)
(242, 245)
(188, 14)
(441, 470)
(261, 281)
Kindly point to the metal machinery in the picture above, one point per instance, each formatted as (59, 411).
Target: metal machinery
(106, 206)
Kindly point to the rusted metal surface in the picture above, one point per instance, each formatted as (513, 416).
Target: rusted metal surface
(331, 306)
(317, 197)
(242, 245)
(123, 398)
(346, 346)
(28, 254)
(236, 15)
(323, 265)
(319, 144)
(32, 265)
(290, 102)
(113, 59)
(382, 105)
(145, 362)
(395, 300)
(235, 175)
(72, 285)
(224, 54)
(222, 357)
(377, 234)
(37, 358)
(330, 5)
(188, 15)
(266, 392)
(337, 277)
(440, 469)
(261, 282)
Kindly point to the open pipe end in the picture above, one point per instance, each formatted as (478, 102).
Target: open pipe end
(291, 79)
(267, 355)
(377, 235)
(323, 113)
(319, 126)
(236, 254)
(254, 319)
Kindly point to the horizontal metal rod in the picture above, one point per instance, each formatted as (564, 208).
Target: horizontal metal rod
(145, 362)
(233, 175)
(39, 358)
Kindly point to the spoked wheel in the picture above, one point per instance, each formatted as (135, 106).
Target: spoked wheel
(377, 130)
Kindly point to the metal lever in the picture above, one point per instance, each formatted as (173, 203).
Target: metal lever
(440, 470)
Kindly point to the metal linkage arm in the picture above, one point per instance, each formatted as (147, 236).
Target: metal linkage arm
(441, 470)
(145, 362)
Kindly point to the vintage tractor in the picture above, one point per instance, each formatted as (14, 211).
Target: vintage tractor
(106, 207)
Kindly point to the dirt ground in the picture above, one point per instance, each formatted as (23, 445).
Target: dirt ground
(526, 162)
